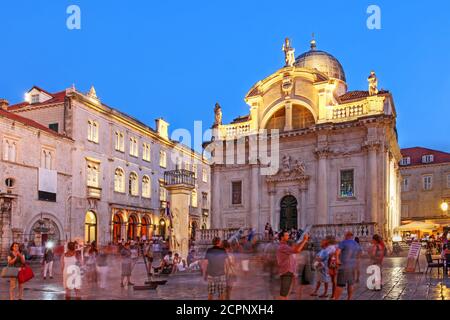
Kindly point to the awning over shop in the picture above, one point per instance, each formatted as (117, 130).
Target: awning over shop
(418, 225)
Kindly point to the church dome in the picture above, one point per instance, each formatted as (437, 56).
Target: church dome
(322, 61)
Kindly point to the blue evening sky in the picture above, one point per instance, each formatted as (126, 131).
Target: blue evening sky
(175, 59)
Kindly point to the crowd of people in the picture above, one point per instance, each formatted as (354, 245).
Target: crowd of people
(291, 259)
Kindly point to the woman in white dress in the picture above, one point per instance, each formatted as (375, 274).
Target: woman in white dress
(71, 271)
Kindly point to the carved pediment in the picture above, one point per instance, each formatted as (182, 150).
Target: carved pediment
(291, 170)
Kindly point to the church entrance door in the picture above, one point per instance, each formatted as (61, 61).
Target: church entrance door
(288, 213)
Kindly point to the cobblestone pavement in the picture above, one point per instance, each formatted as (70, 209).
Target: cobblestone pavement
(256, 286)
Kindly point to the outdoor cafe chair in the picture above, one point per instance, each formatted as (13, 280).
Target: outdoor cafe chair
(431, 264)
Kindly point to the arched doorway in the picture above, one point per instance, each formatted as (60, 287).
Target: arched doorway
(90, 227)
(145, 227)
(162, 228)
(288, 213)
(117, 228)
(132, 227)
(43, 230)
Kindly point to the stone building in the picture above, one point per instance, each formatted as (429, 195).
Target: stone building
(35, 177)
(116, 165)
(335, 156)
(425, 185)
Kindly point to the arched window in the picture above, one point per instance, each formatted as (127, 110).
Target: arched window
(6, 150)
(162, 228)
(117, 228)
(48, 160)
(119, 180)
(117, 144)
(132, 227)
(301, 117)
(146, 187)
(43, 158)
(277, 121)
(90, 227)
(12, 152)
(145, 228)
(120, 142)
(133, 184)
(95, 132)
(92, 131)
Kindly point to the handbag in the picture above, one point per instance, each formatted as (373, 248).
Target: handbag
(10, 272)
(25, 274)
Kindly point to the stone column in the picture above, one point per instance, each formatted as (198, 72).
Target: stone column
(255, 216)
(272, 215)
(215, 199)
(179, 196)
(322, 187)
(288, 116)
(5, 225)
(372, 148)
(303, 210)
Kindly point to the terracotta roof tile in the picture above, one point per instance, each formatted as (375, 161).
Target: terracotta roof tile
(241, 119)
(57, 98)
(416, 154)
(356, 95)
(28, 122)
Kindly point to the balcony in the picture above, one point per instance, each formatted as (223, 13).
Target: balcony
(180, 176)
(234, 130)
(94, 193)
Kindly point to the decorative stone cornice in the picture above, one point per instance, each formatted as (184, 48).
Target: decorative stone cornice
(372, 145)
(281, 178)
(322, 153)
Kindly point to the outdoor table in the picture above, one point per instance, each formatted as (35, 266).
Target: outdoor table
(437, 257)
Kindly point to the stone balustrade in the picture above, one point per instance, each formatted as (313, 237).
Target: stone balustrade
(234, 129)
(180, 176)
(340, 112)
(364, 231)
(205, 236)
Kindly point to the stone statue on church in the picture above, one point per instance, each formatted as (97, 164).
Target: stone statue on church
(289, 53)
(286, 163)
(373, 84)
(299, 167)
(218, 115)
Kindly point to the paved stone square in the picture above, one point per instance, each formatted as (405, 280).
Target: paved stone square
(256, 286)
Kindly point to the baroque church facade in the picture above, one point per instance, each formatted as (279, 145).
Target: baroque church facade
(336, 153)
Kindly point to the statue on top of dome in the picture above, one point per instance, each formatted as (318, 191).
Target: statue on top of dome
(289, 53)
(373, 84)
(218, 115)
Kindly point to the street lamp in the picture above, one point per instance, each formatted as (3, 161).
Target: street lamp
(444, 206)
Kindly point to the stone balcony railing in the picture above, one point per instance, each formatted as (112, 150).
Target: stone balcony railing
(205, 236)
(234, 130)
(94, 193)
(179, 176)
(364, 231)
(346, 112)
